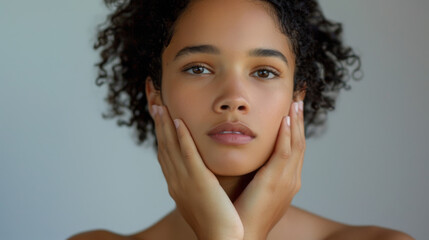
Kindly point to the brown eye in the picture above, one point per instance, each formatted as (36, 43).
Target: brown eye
(266, 73)
(263, 73)
(197, 70)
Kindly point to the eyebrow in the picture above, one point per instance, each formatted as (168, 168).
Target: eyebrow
(210, 49)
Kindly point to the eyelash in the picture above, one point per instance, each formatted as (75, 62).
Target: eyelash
(270, 70)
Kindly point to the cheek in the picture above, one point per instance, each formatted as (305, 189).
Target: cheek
(273, 110)
(274, 105)
(186, 105)
(270, 127)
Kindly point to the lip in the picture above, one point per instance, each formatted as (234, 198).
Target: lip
(231, 133)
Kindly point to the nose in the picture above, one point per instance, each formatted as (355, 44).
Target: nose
(232, 105)
(232, 97)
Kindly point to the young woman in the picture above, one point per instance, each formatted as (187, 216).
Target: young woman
(230, 89)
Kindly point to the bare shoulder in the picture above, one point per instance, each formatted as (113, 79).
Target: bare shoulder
(99, 235)
(298, 223)
(368, 232)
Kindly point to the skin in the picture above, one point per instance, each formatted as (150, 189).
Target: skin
(230, 79)
(231, 85)
(223, 191)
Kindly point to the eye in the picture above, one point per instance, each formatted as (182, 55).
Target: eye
(197, 70)
(266, 73)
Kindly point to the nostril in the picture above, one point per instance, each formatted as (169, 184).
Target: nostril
(224, 107)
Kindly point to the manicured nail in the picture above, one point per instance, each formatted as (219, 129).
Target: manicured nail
(154, 110)
(176, 123)
(288, 120)
(301, 105)
(296, 106)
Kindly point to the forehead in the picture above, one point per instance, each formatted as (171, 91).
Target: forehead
(234, 26)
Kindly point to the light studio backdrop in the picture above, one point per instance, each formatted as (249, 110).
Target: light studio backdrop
(63, 169)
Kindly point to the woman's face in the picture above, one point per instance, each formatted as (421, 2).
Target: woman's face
(219, 70)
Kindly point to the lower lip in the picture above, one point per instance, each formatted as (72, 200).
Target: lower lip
(231, 139)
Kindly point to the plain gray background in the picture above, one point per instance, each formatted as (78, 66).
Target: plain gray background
(64, 169)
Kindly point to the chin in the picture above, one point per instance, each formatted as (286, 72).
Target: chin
(232, 163)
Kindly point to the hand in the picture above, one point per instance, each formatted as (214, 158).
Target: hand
(195, 189)
(267, 197)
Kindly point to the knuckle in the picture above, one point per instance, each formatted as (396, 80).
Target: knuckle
(293, 185)
(162, 151)
(161, 155)
(172, 191)
(169, 142)
(187, 154)
(283, 154)
(296, 184)
(300, 145)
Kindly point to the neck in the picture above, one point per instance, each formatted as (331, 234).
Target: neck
(234, 185)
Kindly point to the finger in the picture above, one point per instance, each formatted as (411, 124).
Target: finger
(301, 117)
(302, 131)
(169, 132)
(282, 149)
(192, 158)
(170, 141)
(297, 138)
(164, 160)
(166, 169)
(298, 113)
(155, 117)
(297, 141)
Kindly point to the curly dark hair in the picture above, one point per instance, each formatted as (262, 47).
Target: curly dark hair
(135, 34)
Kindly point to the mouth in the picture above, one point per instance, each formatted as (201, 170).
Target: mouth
(230, 133)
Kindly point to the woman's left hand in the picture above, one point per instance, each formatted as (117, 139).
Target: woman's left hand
(267, 197)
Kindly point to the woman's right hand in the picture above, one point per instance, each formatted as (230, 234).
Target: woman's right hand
(198, 195)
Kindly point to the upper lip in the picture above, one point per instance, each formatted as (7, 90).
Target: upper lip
(232, 126)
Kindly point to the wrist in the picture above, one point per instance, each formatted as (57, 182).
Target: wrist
(234, 235)
(220, 237)
(255, 236)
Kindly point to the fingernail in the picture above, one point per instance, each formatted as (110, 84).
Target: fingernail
(154, 110)
(296, 106)
(301, 105)
(176, 123)
(288, 120)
